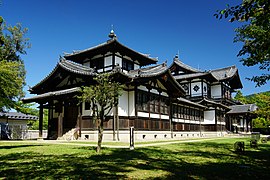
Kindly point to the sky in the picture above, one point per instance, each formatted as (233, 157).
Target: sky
(161, 28)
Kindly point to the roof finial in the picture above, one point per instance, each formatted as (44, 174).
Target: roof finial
(112, 35)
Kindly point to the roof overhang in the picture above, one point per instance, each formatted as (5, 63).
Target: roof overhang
(50, 95)
(110, 46)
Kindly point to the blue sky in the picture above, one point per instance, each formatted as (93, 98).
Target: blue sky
(160, 28)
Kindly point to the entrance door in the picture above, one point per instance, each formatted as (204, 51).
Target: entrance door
(70, 117)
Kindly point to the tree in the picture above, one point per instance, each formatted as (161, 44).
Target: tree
(102, 98)
(12, 70)
(31, 109)
(239, 97)
(262, 100)
(254, 33)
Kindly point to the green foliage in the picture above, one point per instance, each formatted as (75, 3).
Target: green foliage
(240, 97)
(255, 33)
(11, 83)
(262, 100)
(34, 125)
(12, 70)
(102, 96)
(260, 122)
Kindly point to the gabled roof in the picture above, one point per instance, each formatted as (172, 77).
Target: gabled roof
(228, 74)
(112, 45)
(161, 72)
(242, 109)
(184, 67)
(65, 65)
(18, 116)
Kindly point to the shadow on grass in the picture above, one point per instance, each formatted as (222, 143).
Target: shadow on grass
(178, 161)
(18, 146)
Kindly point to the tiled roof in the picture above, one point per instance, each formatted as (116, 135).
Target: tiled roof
(153, 71)
(245, 108)
(69, 66)
(50, 94)
(205, 100)
(18, 116)
(76, 68)
(184, 66)
(193, 75)
(190, 102)
(148, 71)
(224, 73)
(108, 43)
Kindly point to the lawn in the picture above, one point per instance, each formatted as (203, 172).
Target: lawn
(213, 159)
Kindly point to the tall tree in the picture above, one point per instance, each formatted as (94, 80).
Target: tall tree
(12, 70)
(254, 33)
(240, 97)
(102, 97)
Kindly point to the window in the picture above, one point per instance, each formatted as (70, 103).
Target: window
(127, 65)
(152, 103)
(97, 63)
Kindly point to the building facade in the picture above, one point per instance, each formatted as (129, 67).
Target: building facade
(159, 101)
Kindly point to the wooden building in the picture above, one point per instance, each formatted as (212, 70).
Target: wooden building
(159, 101)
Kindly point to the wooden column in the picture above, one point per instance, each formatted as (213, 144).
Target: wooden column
(170, 116)
(60, 124)
(40, 120)
(79, 119)
(114, 122)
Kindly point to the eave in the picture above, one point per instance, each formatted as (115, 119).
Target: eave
(110, 46)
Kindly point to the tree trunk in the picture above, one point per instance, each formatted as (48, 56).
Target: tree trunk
(100, 134)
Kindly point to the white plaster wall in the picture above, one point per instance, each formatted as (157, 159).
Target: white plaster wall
(108, 61)
(216, 91)
(154, 91)
(131, 110)
(118, 60)
(143, 88)
(164, 94)
(209, 117)
(152, 115)
(165, 117)
(123, 104)
(199, 92)
(143, 114)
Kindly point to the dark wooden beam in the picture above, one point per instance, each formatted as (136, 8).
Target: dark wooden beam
(40, 121)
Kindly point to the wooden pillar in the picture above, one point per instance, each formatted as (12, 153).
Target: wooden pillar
(117, 122)
(79, 120)
(40, 120)
(60, 124)
(114, 123)
(170, 116)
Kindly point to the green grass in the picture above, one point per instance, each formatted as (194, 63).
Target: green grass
(213, 159)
